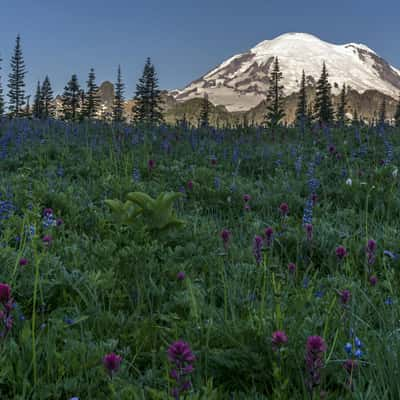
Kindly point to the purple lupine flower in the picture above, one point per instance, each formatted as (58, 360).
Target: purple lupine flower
(309, 231)
(257, 248)
(315, 349)
(345, 296)
(59, 222)
(47, 212)
(5, 293)
(341, 252)
(112, 363)
(246, 198)
(373, 280)
(284, 209)
(181, 358)
(6, 306)
(370, 250)
(225, 236)
(279, 338)
(292, 268)
(23, 262)
(269, 233)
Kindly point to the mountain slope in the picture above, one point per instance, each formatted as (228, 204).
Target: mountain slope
(240, 83)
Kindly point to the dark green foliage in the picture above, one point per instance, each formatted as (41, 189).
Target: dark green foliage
(147, 109)
(341, 111)
(91, 100)
(118, 107)
(323, 107)
(204, 119)
(1, 94)
(397, 114)
(275, 110)
(37, 109)
(301, 111)
(48, 107)
(16, 83)
(72, 100)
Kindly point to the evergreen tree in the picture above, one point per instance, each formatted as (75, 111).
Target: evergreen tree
(27, 111)
(48, 108)
(382, 113)
(341, 111)
(275, 111)
(396, 115)
(204, 121)
(147, 108)
(355, 121)
(71, 100)
(301, 111)
(37, 110)
(323, 101)
(16, 83)
(118, 108)
(91, 101)
(1, 95)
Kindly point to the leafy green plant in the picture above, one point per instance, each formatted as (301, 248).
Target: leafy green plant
(158, 214)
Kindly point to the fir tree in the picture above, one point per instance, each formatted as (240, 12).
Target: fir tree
(355, 121)
(301, 111)
(71, 100)
(204, 112)
(341, 111)
(48, 108)
(323, 101)
(1, 95)
(91, 101)
(275, 111)
(27, 111)
(118, 107)
(382, 113)
(16, 83)
(147, 108)
(37, 110)
(396, 115)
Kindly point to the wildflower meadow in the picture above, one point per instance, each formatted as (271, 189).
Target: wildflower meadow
(198, 263)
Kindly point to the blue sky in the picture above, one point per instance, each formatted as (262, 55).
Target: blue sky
(185, 39)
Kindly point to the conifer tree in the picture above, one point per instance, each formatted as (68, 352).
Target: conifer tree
(48, 108)
(323, 102)
(16, 82)
(355, 120)
(1, 95)
(71, 100)
(27, 111)
(204, 113)
(147, 108)
(118, 107)
(301, 111)
(341, 111)
(275, 111)
(396, 115)
(37, 110)
(91, 101)
(382, 113)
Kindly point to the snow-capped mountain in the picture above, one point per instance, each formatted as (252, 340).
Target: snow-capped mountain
(240, 83)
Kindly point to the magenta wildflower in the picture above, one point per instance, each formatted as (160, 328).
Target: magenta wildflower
(345, 296)
(225, 236)
(279, 338)
(5, 293)
(373, 280)
(151, 164)
(341, 252)
(23, 262)
(112, 363)
(6, 306)
(314, 199)
(350, 365)
(47, 212)
(59, 222)
(309, 231)
(332, 149)
(47, 240)
(181, 276)
(292, 268)
(246, 198)
(190, 185)
(370, 250)
(257, 248)
(181, 358)
(315, 349)
(247, 207)
(284, 209)
(269, 233)
(213, 161)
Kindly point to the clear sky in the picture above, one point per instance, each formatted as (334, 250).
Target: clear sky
(185, 39)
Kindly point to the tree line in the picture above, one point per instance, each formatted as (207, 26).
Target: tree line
(79, 104)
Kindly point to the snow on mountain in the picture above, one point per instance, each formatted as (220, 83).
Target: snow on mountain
(240, 83)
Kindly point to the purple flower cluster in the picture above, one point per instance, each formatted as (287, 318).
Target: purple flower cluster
(6, 306)
(315, 349)
(257, 248)
(112, 363)
(370, 250)
(225, 236)
(269, 233)
(181, 357)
